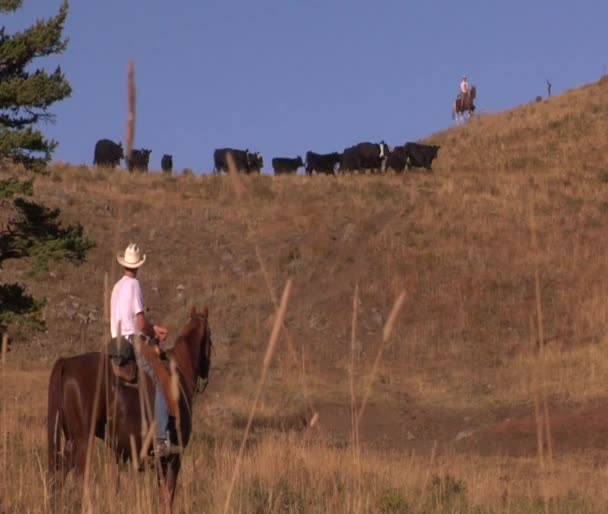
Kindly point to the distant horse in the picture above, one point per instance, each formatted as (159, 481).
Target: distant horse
(72, 396)
(464, 103)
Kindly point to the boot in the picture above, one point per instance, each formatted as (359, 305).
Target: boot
(163, 447)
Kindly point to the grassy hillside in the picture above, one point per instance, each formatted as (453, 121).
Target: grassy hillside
(457, 241)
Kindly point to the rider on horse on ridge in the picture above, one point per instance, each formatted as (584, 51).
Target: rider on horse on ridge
(128, 319)
(464, 88)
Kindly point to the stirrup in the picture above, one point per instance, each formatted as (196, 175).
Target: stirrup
(164, 447)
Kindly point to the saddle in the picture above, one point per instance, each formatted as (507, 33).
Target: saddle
(125, 371)
(122, 359)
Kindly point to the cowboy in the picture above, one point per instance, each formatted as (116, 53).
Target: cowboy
(128, 319)
(464, 87)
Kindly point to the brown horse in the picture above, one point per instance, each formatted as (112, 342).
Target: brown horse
(462, 104)
(80, 382)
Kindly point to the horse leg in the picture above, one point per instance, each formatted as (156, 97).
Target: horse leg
(62, 464)
(167, 480)
(80, 455)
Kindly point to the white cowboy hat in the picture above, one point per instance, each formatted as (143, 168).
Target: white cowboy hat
(132, 257)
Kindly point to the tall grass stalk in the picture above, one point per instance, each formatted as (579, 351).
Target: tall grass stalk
(353, 401)
(274, 337)
(386, 335)
(4, 398)
(540, 369)
(130, 136)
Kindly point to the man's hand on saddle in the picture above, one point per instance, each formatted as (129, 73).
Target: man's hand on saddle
(160, 332)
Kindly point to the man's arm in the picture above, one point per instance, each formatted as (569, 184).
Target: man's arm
(140, 318)
(149, 329)
(143, 325)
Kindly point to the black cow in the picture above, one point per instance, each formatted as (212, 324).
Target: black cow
(244, 160)
(139, 159)
(364, 156)
(420, 156)
(255, 162)
(220, 161)
(166, 163)
(282, 165)
(396, 159)
(108, 153)
(322, 163)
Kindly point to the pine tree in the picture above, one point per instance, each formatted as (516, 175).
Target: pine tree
(29, 230)
(26, 93)
(32, 231)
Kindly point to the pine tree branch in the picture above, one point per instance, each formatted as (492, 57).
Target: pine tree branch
(26, 95)
(23, 121)
(7, 6)
(36, 90)
(40, 40)
(18, 122)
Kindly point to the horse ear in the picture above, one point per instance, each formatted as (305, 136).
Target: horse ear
(206, 311)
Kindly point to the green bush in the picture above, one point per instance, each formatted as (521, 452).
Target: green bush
(13, 187)
(392, 502)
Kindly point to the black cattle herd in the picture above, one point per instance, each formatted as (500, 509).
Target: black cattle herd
(376, 157)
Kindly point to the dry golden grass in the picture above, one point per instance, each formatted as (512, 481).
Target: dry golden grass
(460, 358)
(300, 472)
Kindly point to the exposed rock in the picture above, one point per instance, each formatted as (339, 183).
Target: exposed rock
(181, 295)
(69, 312)
(377, 317)
(464, 434)
(348, 233)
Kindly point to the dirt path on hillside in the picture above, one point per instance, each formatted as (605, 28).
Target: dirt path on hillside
(403, 424)
(503, 431)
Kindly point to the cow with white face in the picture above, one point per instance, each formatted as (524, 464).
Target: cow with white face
(365, 156)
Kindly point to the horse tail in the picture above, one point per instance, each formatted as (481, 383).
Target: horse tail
(453, 110)
(55, 415)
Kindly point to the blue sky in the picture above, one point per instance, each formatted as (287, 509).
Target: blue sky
(283, 76)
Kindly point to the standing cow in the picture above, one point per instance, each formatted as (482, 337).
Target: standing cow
(166, 164)
(282, 165)
(139, 160)
(396, 159)
(255, 162)
(108, 153)
(244, 160)
(220, 160)
(364, 156)
(322, 163)
(420, 156)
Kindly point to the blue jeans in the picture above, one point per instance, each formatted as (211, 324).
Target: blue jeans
(161, 411)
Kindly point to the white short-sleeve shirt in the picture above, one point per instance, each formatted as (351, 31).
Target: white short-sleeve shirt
(127, 301)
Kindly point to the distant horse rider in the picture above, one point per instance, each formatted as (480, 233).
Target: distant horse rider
(464, 90)
(128, 318)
